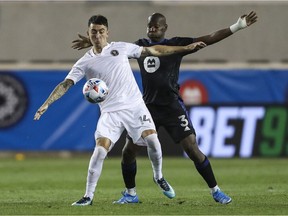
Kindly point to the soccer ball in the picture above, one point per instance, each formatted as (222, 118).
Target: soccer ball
(95, 90)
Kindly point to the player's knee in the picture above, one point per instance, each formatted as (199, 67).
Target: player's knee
(103, 142)
(152, 142)
(148, 132)
(191, 148)
(189, 141)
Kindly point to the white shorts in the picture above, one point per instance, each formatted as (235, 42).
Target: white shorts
(135, 120)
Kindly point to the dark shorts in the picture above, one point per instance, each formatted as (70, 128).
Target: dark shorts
(174, 118)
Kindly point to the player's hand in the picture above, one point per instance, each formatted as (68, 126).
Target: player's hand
(40, 111)
(250, 18)
(81, 43)
(245, 20)
(196, 46)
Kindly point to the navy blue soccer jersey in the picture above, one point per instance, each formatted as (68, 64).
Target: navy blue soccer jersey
(160, 74)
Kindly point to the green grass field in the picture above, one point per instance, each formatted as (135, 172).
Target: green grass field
(48, 186)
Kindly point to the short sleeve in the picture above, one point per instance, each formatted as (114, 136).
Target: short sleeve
(75, 74)
(133, 50)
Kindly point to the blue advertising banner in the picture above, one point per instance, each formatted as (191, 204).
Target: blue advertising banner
(224, 96)
(234, 86)
(63, 126)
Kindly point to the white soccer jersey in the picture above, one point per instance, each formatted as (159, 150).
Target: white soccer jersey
(113, 67)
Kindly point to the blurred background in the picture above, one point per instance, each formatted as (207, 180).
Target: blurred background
(236, 91)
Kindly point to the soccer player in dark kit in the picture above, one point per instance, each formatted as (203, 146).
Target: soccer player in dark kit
(161, 95)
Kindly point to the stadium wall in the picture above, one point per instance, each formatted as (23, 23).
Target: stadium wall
(42, 31)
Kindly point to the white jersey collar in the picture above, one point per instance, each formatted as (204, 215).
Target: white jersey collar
(98, 54)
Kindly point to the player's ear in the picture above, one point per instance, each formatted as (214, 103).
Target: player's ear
(166, 27)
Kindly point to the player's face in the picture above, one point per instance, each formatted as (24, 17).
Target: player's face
(98, 35)
(156, 28)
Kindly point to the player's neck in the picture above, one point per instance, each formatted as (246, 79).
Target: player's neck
(156, 40)
(97, 49)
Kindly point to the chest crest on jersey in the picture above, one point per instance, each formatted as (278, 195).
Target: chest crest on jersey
(151, 64)
(114, 53)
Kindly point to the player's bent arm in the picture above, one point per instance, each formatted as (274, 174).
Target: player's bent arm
(243, 22)
(162, 50)
(57, 93)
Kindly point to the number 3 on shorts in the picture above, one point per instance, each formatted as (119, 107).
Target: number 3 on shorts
(185, 122)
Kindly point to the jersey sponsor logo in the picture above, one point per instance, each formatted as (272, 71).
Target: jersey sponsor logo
(151, 64)
(13, 100)
(114, 53)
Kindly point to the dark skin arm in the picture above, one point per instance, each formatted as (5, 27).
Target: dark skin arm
(215, 36)
(224, 33)
(162, 50)
(84, 42)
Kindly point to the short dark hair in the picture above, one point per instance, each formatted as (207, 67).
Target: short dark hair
(98, 19)
(158, 15)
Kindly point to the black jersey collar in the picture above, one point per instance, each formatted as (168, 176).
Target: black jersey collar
(153, 43)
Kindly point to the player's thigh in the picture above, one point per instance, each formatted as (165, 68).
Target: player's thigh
(137, 121)
(109, 126)
(178, 124)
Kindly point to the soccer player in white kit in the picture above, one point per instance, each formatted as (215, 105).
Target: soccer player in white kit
(123, 107)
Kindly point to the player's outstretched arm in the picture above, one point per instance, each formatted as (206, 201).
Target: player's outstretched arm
(81, 43)
(57, 93)
(162, 50)
(243, 22)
